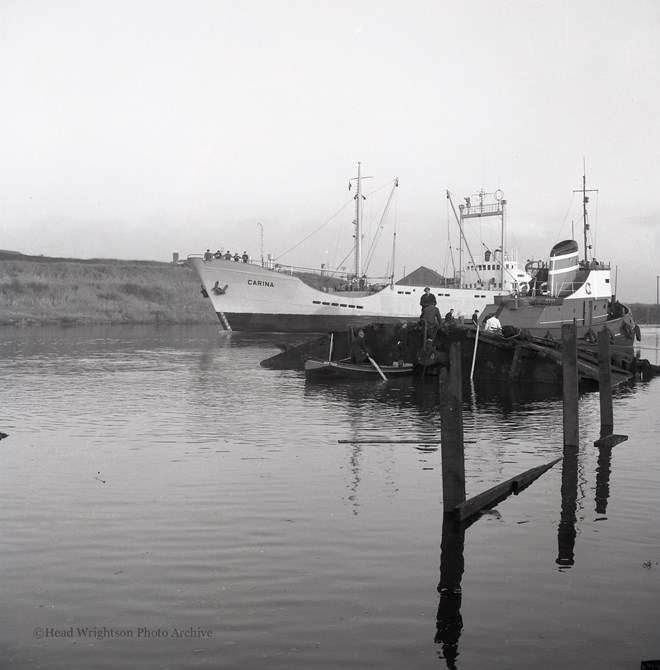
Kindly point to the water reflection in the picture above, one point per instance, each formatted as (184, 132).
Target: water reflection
(355, 477)
(603, 472)
(509, 397)
(423, 394)
(260, 533)
(374, 409)
(573, 483)
(449, 621)
(566, 533)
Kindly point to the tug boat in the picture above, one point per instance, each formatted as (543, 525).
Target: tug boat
(566, 290)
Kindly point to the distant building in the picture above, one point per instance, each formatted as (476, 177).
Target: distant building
(423, 276)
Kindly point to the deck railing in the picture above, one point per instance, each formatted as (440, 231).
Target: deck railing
(325, 273)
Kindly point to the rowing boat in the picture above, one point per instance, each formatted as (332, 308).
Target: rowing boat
(320, 368)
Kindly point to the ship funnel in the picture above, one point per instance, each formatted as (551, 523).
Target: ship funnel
(564, 265)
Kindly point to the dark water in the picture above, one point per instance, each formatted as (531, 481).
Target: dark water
(168, 503)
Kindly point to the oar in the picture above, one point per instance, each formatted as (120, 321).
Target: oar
(474, 353)
(380, 372)
(331, 340)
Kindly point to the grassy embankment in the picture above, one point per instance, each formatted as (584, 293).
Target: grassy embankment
(39, 291)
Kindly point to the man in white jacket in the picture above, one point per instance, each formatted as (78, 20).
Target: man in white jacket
(492, 323)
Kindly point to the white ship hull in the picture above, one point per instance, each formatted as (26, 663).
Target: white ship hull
(248, 297)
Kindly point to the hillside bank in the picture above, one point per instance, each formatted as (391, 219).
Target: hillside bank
(41, 291)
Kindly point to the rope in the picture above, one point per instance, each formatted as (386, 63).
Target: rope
(510, 337)
(314, 232)
(334, 272)
(381, 224)
(330, 219)
(570, 204)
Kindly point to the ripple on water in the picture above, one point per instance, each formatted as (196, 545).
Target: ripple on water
(161, 478)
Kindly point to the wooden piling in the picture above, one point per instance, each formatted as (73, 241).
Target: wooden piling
(451, 422)
(605, 383)
(607, 438)
(570, 384)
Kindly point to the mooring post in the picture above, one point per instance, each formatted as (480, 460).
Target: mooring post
(607, 437)
(451, 428)
(605, 383)
(570, 384)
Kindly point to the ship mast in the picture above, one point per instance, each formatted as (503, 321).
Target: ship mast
(358, 228)
(585, 200)
(358, 222)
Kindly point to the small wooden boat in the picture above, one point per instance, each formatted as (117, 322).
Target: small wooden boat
(344, 369)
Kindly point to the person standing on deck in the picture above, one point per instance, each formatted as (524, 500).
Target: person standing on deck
(427, 299)
(475, 317)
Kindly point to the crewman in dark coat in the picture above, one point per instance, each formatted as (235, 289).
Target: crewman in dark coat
(359, 351)
(427, 299)
(431, 315)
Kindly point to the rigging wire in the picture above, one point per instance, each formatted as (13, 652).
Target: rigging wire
(346, 257)
(341, 209)
(396, 220)
(381, 225)
(449, 253)
(561, 229)
(295, 246)
(594, 235)
(337, 243)
(463, 239)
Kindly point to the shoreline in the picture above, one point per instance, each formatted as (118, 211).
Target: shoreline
(71, 292)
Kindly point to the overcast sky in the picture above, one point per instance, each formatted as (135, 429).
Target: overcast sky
(137, 128)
